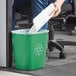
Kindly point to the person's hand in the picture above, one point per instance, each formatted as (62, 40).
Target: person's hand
(57, 9)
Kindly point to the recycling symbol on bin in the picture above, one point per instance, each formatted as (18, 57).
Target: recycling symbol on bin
(38, 49)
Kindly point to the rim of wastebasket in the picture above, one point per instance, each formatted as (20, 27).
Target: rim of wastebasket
(25, 32)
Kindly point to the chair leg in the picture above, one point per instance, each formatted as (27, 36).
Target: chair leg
(53, 43)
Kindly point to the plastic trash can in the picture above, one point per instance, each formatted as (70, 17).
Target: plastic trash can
(29, 49)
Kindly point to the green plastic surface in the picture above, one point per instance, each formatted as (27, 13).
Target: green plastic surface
(29, 50)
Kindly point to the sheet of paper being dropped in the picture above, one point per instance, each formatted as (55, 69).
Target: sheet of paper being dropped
(42, 18)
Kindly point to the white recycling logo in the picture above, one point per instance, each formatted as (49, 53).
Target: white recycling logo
(38, 49)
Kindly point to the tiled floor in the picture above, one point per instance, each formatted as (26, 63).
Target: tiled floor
(4, 73)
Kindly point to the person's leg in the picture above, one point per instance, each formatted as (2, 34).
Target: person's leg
(37, 7)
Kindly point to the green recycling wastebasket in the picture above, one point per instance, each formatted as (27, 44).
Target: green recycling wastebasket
(29, 49)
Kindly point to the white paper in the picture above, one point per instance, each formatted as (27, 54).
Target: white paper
(42, 18)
